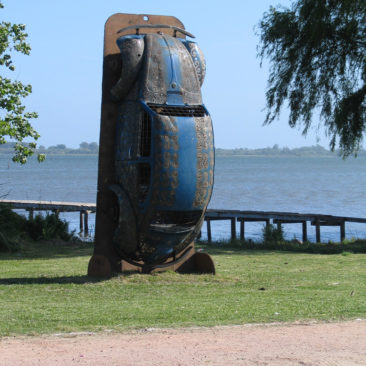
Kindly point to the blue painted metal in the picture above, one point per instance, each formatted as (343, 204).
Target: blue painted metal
(164, 147)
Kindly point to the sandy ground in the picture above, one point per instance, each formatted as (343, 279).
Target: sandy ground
(274, 344)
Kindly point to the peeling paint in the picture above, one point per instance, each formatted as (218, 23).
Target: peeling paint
(164, 158)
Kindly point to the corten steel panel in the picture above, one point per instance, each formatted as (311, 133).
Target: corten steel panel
(105, 224)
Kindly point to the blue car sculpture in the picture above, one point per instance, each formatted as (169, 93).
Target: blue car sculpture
(164, 155)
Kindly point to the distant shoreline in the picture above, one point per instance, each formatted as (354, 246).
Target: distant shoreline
(218, 155)
(275, 151)
(92, 149)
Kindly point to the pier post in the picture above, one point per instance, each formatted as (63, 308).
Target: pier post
(81, 221)
(86, 227)
(233, 228)
(30, 216)
(304, 232)
(317, 229)
(342, 227)
(242, 228)
(209, 237)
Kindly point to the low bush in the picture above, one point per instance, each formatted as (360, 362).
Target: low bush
(48, 227)
(356, 246)
(14, 227)
(7, 245)
(273, 234)
(11, 223)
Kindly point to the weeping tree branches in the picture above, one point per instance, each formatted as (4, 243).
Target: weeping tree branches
(317, 55)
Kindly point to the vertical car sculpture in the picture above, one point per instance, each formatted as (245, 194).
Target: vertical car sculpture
(164, 150)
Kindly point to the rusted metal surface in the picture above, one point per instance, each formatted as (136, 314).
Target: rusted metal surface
(198, 263)
(156, 155)
(164, 149)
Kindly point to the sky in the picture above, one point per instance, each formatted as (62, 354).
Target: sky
(65, 67)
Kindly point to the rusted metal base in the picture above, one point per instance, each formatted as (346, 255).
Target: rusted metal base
(189, 261)
(99, 266)
(200, 263)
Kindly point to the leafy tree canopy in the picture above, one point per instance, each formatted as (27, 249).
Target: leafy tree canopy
(14, 120)
(317, 54)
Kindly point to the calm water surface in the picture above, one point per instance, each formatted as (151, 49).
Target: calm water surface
(294, 184)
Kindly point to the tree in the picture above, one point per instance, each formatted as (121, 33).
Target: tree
(14, 120)
(84, 145)
(93, 146)
(317, 55)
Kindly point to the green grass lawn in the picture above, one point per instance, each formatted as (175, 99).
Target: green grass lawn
(44, 289)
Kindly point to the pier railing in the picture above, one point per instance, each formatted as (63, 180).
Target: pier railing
(279, 218)
(234, 216)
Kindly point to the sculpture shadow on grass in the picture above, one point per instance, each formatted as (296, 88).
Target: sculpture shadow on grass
(63, 280)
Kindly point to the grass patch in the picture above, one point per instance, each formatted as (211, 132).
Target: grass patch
(44, 289)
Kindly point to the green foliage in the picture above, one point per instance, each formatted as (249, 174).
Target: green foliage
(11, 225)
(14, 227)
(91, 147)
(7, 245)
(14, 119)
(48, 227)
(352, 246)
(272, 234)
(317, 54)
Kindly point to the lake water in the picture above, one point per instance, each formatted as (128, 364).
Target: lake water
(293, 184)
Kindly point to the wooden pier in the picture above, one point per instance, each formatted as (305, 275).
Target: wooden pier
(279, 218)
(233, 216)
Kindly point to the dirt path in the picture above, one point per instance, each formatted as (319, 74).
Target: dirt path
(295, 344)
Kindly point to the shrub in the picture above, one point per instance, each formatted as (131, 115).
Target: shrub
(11, 224)
(273, 234)
(7, 245)
(48, 227)
(355, 246)
(43, 227)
